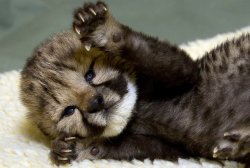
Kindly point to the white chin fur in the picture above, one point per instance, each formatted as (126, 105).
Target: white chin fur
(118, 121)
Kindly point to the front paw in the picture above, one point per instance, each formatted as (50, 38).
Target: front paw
(88, 18)
(97, 27)
(86, 21)
(63, 150)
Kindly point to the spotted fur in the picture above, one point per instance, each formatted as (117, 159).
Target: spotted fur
(175, 107)
(192, 105)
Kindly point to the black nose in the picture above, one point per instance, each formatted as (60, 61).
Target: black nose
(97, 104)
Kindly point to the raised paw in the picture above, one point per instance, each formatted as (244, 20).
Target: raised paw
(235, 144)
(97, 28)
(63, 150)
(87, 19)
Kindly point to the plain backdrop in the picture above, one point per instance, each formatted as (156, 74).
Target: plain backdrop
(26, 23)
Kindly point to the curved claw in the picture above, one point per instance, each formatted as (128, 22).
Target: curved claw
(81, 17)
(87, 46)
(77, 29)
(62, 158)
(103, 7)
(92, 11)
(66, 150)
(69, 138)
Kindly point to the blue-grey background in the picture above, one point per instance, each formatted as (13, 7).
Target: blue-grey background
(25, 23)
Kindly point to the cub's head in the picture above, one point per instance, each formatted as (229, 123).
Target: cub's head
(68, 90)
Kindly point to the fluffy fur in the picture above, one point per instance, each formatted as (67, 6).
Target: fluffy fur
(54, 79)
(178, 105)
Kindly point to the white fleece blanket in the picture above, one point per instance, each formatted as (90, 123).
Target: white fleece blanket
(23, 145)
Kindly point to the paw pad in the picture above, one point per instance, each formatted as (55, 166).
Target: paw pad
(117, 37)
(94, 151)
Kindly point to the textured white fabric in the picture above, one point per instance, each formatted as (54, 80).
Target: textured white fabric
(23, 145)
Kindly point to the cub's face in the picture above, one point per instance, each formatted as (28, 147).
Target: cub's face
(68, 90)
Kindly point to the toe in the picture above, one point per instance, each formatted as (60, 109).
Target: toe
(225, 149)
(234, 136)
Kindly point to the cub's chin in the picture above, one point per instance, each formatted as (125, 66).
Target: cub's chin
(68, 90)
(121, 112)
